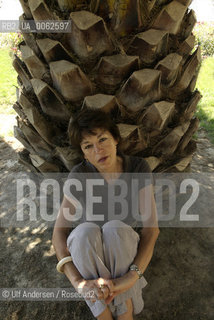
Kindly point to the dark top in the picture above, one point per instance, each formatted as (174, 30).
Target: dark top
(98, 201)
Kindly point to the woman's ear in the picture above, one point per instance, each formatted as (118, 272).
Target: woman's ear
(85, 157)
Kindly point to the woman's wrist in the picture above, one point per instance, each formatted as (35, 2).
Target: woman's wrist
(78, 283)
(73, 274)
(133, 275)
(62, 262)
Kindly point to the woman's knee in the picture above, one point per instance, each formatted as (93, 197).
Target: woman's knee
(116, 227)
(113, 224)
(119, 235)
(87, 231)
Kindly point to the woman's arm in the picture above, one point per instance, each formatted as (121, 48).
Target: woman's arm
(150, 231)
(59, 241)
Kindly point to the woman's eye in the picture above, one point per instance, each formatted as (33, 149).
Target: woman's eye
(88, 146)
(102, 139)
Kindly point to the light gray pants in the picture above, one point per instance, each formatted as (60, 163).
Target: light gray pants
(107, 252)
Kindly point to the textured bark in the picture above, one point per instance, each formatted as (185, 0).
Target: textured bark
(89, 37)
(188, 74)
(67, 156)
(18, 134)
(42, 165)
(112, 70)
(66, 4)
(104, 102)
(53, 50)
(153, 162)
(29, 39)
(149, 45)
(190, 107)
(132, 59)
(70, 81)
(188, 135)
(169, 68)
(38, 121)
(171, 17)
(142, 87)
(50, 101)
(187, 46)
(132, 141)
(19, 111)
(26, 9)
(23, 157)
(35, 66)
(169, 144)
(40, 10)
(24, 76)
(156, 117)
(37, 143)
(188, 24)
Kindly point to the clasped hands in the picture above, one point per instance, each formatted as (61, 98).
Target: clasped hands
(106, 289)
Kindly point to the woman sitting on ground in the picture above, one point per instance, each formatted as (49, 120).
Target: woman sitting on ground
(107, 259)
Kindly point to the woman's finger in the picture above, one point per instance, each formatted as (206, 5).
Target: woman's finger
(110, 285)
(98, 293)
(105, 291)
(110, 298)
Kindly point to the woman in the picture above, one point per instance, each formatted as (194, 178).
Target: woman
(107, 260)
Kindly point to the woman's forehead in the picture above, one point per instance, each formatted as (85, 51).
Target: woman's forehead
(96, 133)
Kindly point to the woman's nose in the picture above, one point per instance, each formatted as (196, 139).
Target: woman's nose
(97, 148)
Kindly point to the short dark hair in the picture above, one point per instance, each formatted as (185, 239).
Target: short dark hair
(86, 122)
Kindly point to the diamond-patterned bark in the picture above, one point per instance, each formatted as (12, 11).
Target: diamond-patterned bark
(142, 87)
(70, 81)
(129, 58)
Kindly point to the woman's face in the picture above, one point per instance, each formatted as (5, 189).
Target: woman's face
(100, 150)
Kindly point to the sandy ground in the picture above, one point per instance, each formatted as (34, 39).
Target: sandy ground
(180, 275)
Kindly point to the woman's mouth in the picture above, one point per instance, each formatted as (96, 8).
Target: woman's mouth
(103, 159)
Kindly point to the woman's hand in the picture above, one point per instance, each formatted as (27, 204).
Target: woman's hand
(120, 285)
(93, 290)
